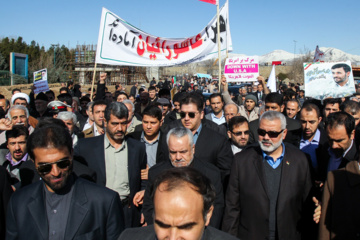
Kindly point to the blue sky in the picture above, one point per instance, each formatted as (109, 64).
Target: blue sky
(257, 26)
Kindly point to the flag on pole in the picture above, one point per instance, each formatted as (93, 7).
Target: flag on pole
(271, 84)
(319, 55)
(215, 2)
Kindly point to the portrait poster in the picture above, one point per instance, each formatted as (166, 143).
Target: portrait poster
(242, 69)
(40, 81)
(328, 80)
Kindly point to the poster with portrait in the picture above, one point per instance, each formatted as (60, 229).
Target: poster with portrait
(324, 80)
(41, 81)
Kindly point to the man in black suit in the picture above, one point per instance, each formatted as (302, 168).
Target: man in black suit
(5, 193)
(181, 147)
(313, 137)
(340, 130)
(211, 146)
(183, 205)
(268, 186)
(117, 160)
(61, 206)
(275, 102)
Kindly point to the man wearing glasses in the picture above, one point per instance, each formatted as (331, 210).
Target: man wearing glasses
(238, 133)
(268, 186)
(61, 206)
(210, 145)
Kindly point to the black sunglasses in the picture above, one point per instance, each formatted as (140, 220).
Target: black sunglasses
(271, 134)
(191, 114)
(46, 167)
(241, 133)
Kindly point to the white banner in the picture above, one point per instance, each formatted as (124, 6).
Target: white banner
(241, 69)
(120, 43)
(323, 80)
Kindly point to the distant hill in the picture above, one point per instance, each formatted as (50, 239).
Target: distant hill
(331, 55)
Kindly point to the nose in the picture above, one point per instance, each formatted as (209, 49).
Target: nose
(55, 170)
(17, 146)
(178, 156)
(334, 145)
(173, 234)
(307, 125)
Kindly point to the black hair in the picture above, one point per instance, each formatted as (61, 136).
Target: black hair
(308, 106)
(341, 119)
(350, 107)
(96, 103)
(151, 88)
(65, 97)
(332, 101)
(214, 95)
(51, 92)
(118, 93)
(342, 65)
(176, 178)
(274, 98)
(164, 93)
(64, 89)
(117, 109)
(49, 135)
(152, 111)
(85, 98)
(235, 121)
(17, 131)
(14, 90)
(193, 98)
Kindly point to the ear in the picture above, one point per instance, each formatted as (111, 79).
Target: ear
(282, 108)
(161, 122)
(320, 118)
(193, 149)
(208, 215)
(352, 135)
(284, 133)
(202, 114)
(229, 134)
(105, 123)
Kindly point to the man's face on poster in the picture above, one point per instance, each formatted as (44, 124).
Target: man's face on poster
(340, 76)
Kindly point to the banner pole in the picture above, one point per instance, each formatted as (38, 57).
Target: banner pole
(93, 80)
(219, 45)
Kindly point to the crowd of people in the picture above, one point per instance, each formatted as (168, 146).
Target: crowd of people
(179, 160)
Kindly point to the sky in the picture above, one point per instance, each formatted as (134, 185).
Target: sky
(257, 26)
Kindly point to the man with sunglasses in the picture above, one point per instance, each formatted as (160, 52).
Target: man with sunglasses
(210, 143)
(61, 206)
(269, 184)
(238, 133)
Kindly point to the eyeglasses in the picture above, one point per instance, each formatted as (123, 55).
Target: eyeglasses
(46, 167)
(241, 133)
(191, 114)
(271, 134)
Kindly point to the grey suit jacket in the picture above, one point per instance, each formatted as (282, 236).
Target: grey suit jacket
(148, 233)
(90, 216)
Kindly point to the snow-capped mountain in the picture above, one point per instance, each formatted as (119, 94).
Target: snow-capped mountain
(330, 55)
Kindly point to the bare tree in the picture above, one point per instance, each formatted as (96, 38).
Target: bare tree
(297, 72)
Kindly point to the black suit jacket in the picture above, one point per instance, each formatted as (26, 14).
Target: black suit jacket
(92, 152)
(148, 233)
(247, 202)
(351, 155)
(5, 194)
(90, 216)
(207, 169)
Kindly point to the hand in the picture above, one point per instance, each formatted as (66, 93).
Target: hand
(33, 87)
(144, 173)
(317, 211)
(139, 198)
(261, 80)
(223, 80)
(142, 221)
(103, 77)
(5, 124)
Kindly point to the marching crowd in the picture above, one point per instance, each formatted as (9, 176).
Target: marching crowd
(179, 161)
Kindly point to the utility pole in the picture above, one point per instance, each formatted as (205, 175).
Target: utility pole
(55, 45)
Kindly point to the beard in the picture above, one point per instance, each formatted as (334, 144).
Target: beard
(57, 186)
(271, 148)
(115, 135)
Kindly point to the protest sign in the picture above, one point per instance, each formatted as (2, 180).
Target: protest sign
(120, 43)
(40, 81)
(241, 69)
(324, 80)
